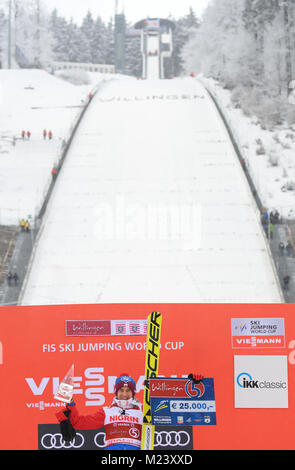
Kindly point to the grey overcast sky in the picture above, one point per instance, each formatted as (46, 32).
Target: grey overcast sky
(135, 10)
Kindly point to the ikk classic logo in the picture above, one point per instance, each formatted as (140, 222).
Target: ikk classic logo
(261, 382)
(255, 333)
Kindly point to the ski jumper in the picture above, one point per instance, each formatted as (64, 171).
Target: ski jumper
(122, 425)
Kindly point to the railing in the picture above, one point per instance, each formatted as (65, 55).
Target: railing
(242, 158)
(101, 68)
(39, 226)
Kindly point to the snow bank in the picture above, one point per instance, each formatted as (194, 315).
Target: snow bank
(33, 100)
(269, 154)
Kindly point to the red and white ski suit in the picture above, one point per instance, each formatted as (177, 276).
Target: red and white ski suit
(122, 426)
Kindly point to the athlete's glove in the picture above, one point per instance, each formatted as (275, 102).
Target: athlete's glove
(196, 378)
(66, 428)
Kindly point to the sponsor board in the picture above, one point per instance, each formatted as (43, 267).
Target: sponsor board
(194, 338)
(105, 327)
(261, 381)
(166, 438)
(258, 333)
(151, 24)
(180, 401)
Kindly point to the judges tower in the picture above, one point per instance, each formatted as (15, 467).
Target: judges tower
(156, 44)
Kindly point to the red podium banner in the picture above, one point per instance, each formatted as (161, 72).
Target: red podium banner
(37, 348)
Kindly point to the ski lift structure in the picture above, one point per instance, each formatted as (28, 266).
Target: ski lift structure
(156, 41)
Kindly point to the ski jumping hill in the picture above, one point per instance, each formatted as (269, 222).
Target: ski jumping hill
(151, 205)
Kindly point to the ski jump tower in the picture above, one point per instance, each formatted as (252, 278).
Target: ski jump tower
(156, 44)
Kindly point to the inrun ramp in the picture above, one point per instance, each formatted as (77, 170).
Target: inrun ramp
(151, 205)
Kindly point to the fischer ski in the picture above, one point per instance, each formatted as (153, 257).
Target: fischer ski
(151, 371)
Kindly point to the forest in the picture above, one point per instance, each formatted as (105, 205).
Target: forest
(248, 46)
(40, 37)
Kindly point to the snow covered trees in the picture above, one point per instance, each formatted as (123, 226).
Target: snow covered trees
(185, 28)
(249, 46)
(40, 37)
(3, 37)
(31, 36)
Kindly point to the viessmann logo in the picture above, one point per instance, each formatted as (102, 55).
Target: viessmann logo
(245, 380)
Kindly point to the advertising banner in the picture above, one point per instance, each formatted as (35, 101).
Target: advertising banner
(167, 438)
(261, 382)
(258, 332)
(152, 24)
(180, 401)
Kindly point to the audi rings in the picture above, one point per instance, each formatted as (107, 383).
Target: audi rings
(164, 439)
(56, 441)
(99, 439)
(171, 438)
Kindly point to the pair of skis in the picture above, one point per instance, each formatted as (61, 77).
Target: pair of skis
(151, 371)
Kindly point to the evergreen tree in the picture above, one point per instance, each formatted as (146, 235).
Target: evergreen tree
(98, 43)
(133, 56)
(78, 45)
(249, 46)
(3, 38)
(59, 28)
(87, 33)
(31, 36)
(185, 27)
(109, 49)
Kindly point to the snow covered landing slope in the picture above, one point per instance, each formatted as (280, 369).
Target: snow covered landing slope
(151, 206)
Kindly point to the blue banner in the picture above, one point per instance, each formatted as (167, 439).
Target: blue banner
(179, 402)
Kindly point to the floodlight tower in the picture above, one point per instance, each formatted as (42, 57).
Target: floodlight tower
(156, 44)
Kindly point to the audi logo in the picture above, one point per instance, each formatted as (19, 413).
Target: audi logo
(171, 438)
(164, 438)
(56, 441)
(100, 439)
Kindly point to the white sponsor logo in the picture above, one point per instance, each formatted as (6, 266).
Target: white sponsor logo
(56, 441)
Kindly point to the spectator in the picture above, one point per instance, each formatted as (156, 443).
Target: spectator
(50, 135)
(271, 229)
(271, 217)
(22, 224)
(289, 249)
(54, 173)
(27, 226)
(9, 278)
(264, 220)
(44, 134)
(281, 248)
(286, 280)
(276, 217)
(28, 134)
(23, 134)
(15, 278)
